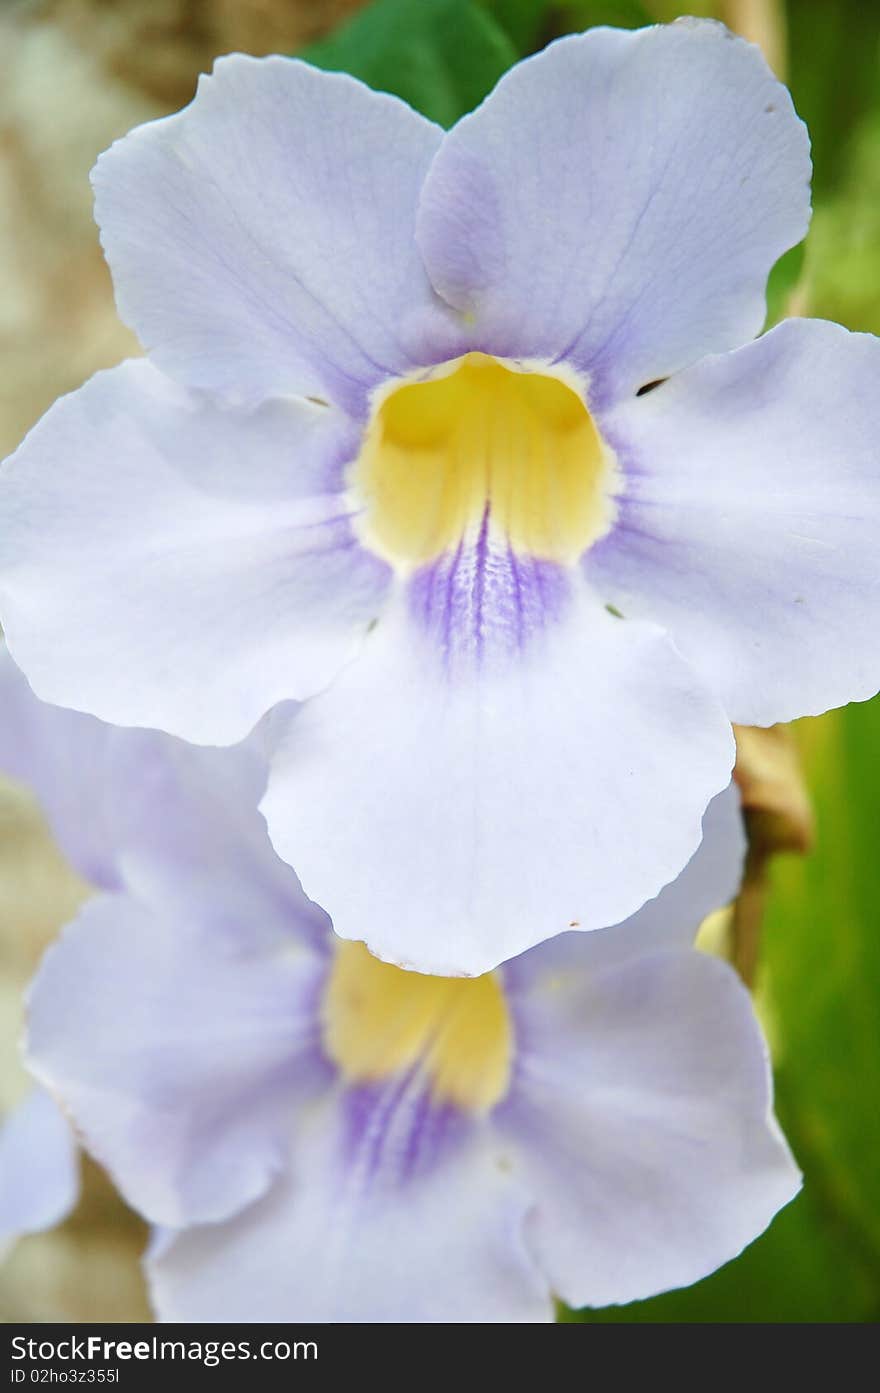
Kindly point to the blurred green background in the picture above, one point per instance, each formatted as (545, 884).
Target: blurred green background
(76, 73)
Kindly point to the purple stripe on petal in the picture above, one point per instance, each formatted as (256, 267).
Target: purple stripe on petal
(394, 1131)
(485, 601)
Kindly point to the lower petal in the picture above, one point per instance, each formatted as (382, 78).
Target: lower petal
(504, 761)
(709, 881)
(353, 1234)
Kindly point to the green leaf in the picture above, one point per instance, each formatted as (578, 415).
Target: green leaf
(843, 248)
(441, 56)
(784, 277)
(822, 956)
(584, 14)
(522, 20)
(833, 75)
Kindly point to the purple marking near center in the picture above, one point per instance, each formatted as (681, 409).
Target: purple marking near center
(395, 1131)
(485, 601)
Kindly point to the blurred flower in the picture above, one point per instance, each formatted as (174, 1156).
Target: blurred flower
(39, 1169)
(592, 1121)
(395, 457)
(334, 1138)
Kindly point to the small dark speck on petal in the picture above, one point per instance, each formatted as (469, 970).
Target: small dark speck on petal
(575, 924)
(771, 106)
(318, 401)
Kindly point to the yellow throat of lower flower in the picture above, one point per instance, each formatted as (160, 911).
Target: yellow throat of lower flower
(482, 438)
(379, 1021)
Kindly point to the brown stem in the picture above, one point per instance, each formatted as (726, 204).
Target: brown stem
(748, 914)
(763, 22)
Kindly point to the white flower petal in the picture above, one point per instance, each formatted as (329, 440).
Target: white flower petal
(180, 1045)
(453, 808)
(618, 201)
(39, 1168)
(167, 563)
(262, 240)
(641, 1110)
(750, 528)
(328, 1244)
(709, 880)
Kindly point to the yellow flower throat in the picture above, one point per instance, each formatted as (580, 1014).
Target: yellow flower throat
(481, 436)
(379, 1020)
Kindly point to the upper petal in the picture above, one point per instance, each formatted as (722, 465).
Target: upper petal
(750, 528)
(169, 563)
(619, 200)
(262, 239)
(39, 1168)
(485, 776)
(641, 1113)
(339, 1240)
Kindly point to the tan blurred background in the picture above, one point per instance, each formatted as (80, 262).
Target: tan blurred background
(74, 75)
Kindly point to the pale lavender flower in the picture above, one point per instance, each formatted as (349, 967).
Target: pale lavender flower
(391, 457)
(321, 1135)
(39, 1168)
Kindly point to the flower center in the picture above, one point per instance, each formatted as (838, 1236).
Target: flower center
(481, 439)
(379, 1020)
